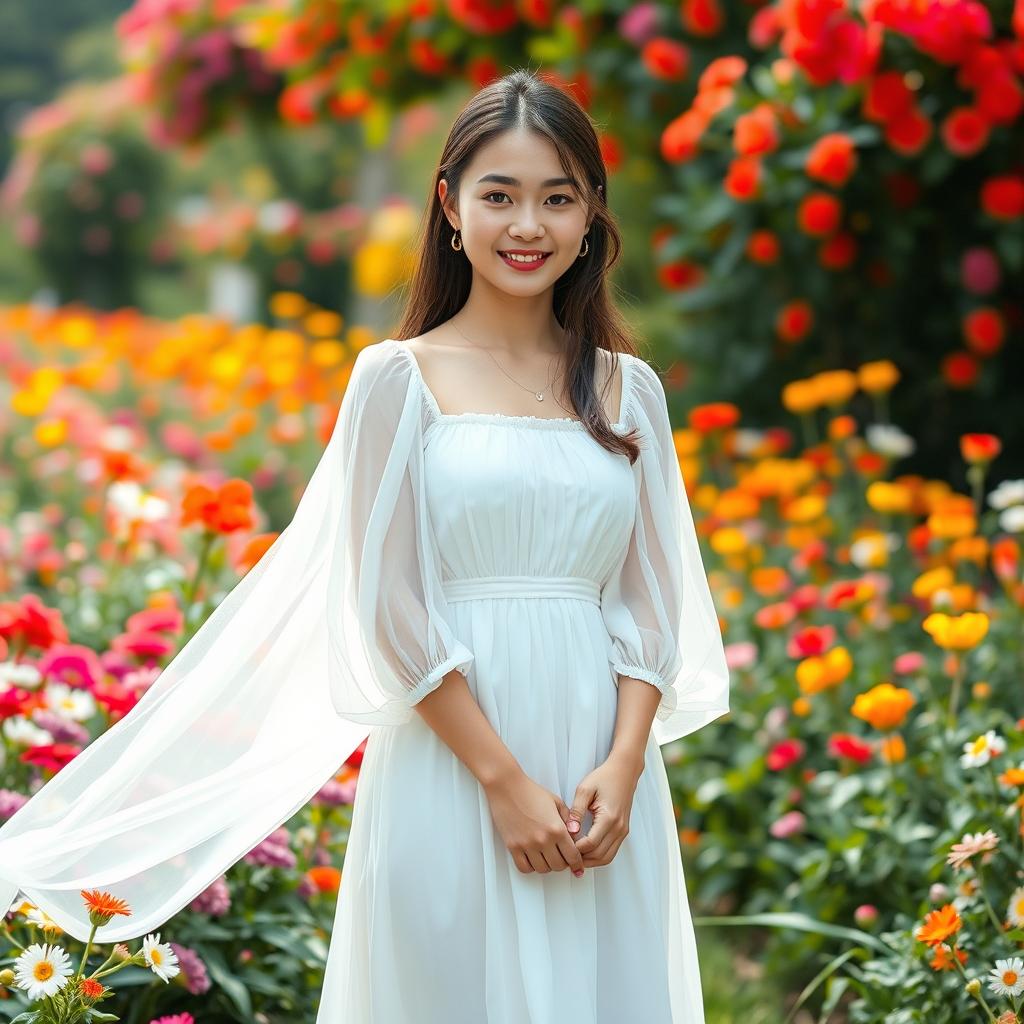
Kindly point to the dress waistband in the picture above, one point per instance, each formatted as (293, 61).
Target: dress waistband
(522, 586)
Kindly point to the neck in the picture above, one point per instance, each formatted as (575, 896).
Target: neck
(503, 323)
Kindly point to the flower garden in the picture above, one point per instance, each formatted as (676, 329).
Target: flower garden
(828, 203)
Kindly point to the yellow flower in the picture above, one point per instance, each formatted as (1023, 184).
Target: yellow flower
(926, 585)
(820, 673)
(728, 541)
(884, 496)
(956, 632)
(893, 749)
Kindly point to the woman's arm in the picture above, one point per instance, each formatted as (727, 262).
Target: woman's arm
(637, 703)
(454, 714)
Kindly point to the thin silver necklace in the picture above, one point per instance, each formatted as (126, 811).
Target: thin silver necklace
(539, 395)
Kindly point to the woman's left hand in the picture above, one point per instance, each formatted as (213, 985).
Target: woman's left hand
(607, 792)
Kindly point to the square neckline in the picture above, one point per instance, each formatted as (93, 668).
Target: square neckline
(525, 420)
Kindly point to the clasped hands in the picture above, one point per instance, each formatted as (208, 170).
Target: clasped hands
(543, 834)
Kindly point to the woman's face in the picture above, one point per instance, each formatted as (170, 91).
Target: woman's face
(533, 212)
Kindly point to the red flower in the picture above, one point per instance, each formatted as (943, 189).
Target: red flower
(27, 622)
(819, 214)
(713, 416)
(964, 131)
(783, 754)
(763, 246)
(51, 756)
(980, 448)
(960, 370)
(908, 133)
(832, 159)
(666, 59)
(887, 97)
(1003, 196)
(794, 320)
(984, 331)
(847, 745)
(838, 252)
(702, 17)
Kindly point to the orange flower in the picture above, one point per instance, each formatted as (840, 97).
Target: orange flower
(943, 959)
(956, 632)
(883, 707)
(743, 178)
(939, 925)
(103, 906)
(756, 132)
(90, 988)
(878, 377)
(225, 510)
(832, 159)
(980, 447)
(256, 547)
(325, 878)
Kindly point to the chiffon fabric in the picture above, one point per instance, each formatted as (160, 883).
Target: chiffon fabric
(512, 548)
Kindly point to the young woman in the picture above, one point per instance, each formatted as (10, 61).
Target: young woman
(494, 575)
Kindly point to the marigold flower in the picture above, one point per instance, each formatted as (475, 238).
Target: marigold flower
(939, 925)
(884, 706)
(103, 906)
(959, 632)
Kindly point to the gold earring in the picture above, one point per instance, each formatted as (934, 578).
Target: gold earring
(457, 248)
(586, 247)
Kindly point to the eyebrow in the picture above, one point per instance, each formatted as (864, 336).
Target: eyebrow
(504, 179)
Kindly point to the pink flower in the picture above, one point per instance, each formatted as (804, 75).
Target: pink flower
(908, 663)
(72, 664)
(742, 654)
(790, 824)
(865, 914)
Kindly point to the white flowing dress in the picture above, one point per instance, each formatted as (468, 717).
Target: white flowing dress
(513, 548)
(435, 923)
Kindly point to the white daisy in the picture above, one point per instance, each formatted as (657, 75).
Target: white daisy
(28, 677)
(1007, 977)
(1012, 519)
(71, 702)
(982, 750)
(1015, 908)
(889, 440)
(21, 730)
(1009, 492)
(160, 958)
(133, 504)
(42, 970)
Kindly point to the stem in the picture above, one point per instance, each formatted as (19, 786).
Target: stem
(204, 553)
(954, 693)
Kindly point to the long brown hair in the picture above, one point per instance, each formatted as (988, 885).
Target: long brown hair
(441, 281)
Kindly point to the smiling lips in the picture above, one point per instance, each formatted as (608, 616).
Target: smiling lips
(524, 261)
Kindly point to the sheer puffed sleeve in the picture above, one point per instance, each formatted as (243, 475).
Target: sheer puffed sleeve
(339, 627)
(657, 605)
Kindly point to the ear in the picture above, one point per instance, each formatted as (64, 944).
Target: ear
(442, 194)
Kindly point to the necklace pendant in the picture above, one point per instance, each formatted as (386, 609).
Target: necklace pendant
(540, 396)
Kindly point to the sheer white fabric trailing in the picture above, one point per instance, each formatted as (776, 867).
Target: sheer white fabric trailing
(658, 607)
(339, 627)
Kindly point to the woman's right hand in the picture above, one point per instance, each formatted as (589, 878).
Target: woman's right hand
(533, 824)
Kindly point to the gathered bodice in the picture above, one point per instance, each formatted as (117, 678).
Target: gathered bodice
(525, 495)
